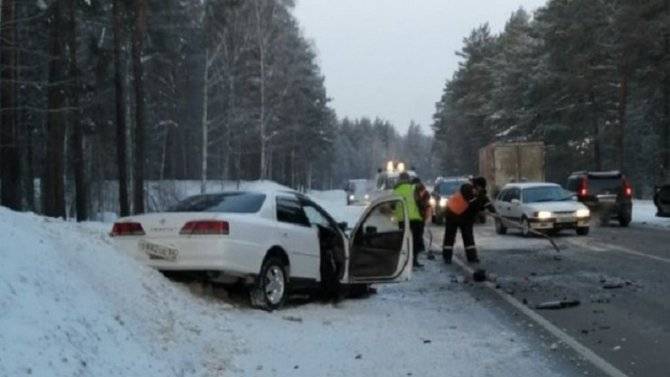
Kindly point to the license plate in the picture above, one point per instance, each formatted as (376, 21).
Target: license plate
(565, 219)
(155, 251)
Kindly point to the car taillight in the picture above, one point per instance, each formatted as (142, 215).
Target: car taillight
(627, 189)
(127, 229)
(205, 227)
(583, 189)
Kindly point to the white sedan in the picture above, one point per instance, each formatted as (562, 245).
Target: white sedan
(541, 206)
(271, 240)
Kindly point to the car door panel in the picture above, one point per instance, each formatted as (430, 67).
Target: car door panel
(380, 247)
(298, 238)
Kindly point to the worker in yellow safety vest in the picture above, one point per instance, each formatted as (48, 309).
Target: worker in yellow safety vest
(406, 190)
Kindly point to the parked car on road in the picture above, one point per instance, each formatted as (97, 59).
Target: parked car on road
(271, 240)
(540, 206)
(444, 188)
(662, 200)
(608, 195)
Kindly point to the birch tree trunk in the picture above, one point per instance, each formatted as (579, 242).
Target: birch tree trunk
(204, 124)
(138, 39)
(121, 131)
(77, 142)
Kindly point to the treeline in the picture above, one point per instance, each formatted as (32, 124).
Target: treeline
(362, 146)
(132, 90)
(590, 78)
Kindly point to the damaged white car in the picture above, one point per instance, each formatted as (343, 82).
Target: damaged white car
(271, 240)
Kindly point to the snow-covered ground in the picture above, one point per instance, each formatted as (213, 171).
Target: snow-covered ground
(75, 305)
(644, 213)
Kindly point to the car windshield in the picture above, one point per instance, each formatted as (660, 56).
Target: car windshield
(545, 194)
(231, 202)
(449, 187)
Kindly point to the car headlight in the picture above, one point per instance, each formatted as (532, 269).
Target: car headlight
(443, 202)
(584, 212)
(351, 197)
(432, 202)
(544, 215)
(367, 196)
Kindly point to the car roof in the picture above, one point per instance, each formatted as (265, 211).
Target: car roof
(598, 174)
(525, 185)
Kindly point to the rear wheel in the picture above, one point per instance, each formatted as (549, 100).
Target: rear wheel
(500, 228)
(271, 288)
(583, 231)
(624, 220)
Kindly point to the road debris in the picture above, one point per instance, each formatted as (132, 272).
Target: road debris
(558, 304)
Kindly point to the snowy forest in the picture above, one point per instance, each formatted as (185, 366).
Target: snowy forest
(128, 91)
(590, 78)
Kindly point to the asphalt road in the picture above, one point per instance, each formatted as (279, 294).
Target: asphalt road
(621, 277)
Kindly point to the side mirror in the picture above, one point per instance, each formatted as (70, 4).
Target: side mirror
(343, 225)
(370, 230)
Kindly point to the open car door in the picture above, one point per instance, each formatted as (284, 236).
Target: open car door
(380, 245)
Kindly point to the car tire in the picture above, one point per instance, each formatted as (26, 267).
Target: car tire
(500, 228)
(525, 227)
(271, 288)
(583, 231)
(624, 221)
(358, 290)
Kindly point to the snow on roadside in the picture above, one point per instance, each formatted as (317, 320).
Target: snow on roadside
(644, 213)
(74, 305)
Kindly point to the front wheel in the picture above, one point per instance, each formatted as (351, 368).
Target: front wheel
(583, 231)
(500, 228)
(525, 227)
(271, 288)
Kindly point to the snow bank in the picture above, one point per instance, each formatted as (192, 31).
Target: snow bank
(644, 213)
(73, 305)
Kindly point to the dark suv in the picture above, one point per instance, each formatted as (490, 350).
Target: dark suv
(608, 195)
(662, 200)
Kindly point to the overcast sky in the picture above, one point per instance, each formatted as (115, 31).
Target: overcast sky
(390, 58)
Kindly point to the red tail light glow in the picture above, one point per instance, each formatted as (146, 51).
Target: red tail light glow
(627, 189)
(583, 188)
(205, 227)
(127, 229)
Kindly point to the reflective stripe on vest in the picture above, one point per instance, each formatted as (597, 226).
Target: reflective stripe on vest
(457, 204)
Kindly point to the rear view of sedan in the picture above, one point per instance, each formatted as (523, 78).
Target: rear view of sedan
(270, 241)
(540, 206)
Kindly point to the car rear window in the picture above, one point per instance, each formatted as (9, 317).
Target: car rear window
(230, 202)
(599, 185)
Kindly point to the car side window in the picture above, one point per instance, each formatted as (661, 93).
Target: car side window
(504, 196)
(315, 217)
(290, 211)
(514, 194)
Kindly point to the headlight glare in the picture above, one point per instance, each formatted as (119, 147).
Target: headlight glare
(432, 202)
(544, 215)
(443, 202)
(584, 212)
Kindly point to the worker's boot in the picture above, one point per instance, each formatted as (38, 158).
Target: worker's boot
(447, 254)
(471, 254)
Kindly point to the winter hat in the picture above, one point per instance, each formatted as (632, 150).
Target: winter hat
(479, 182)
